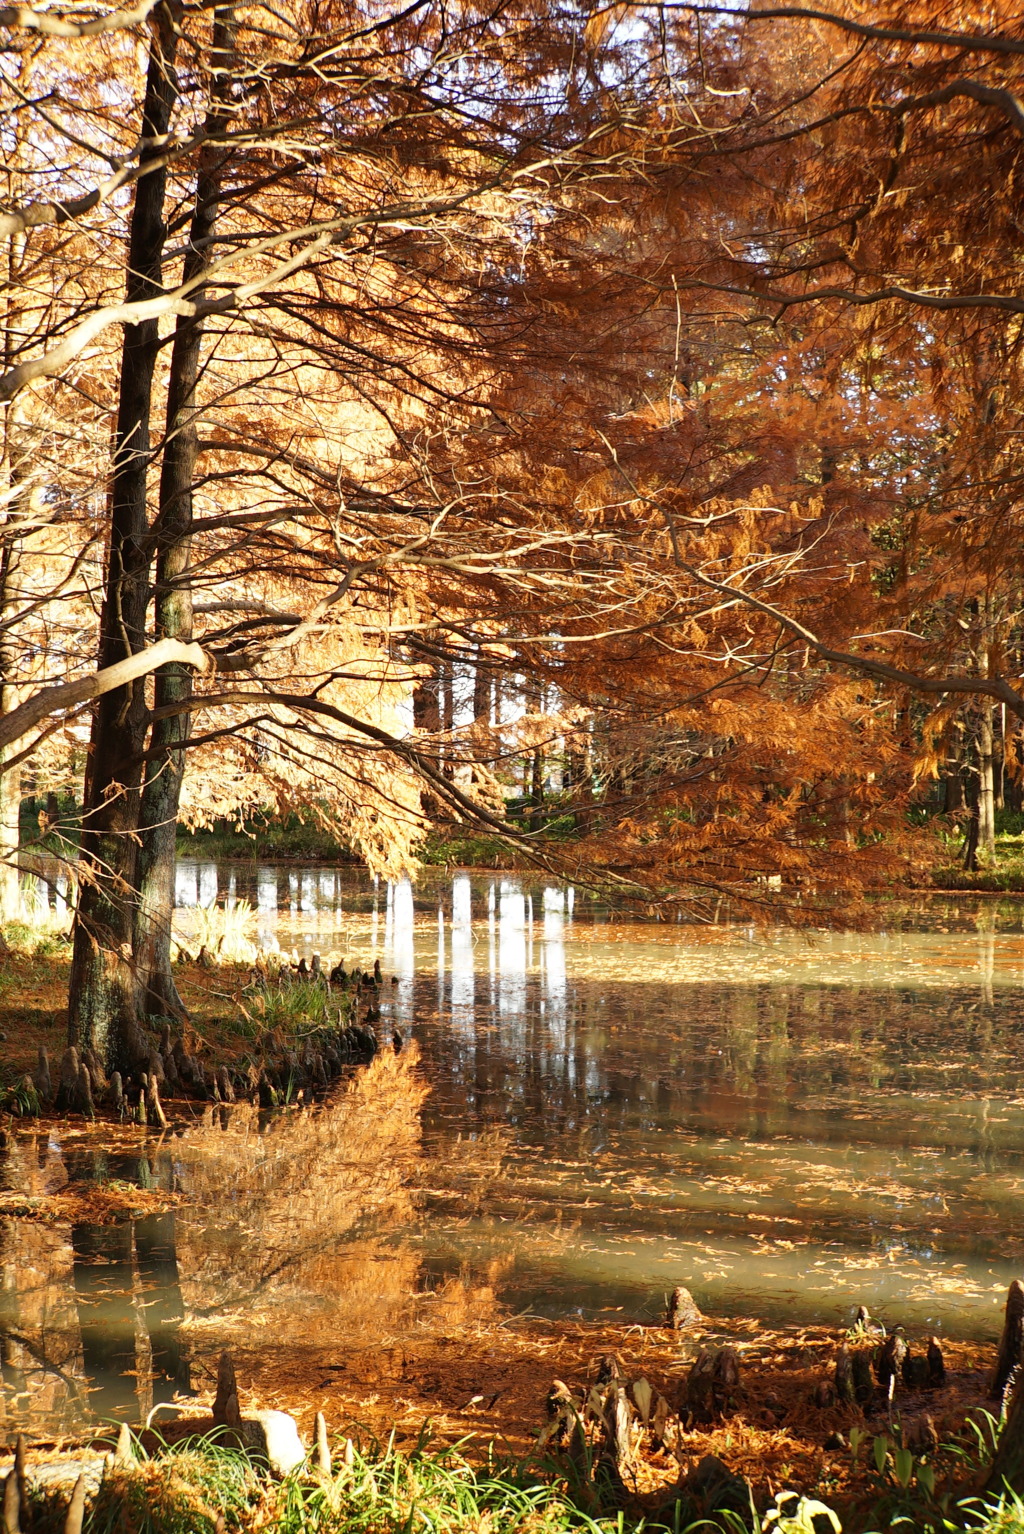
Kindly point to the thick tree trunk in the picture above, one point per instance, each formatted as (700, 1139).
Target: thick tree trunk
(102, 1011)
(158, 822)
(1007, 1468)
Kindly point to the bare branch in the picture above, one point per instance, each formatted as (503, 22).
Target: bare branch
(321, 236)
(1003, 301)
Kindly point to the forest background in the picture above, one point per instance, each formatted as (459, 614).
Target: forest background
(593, 427)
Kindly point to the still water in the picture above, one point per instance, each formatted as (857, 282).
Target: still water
(789, 1123)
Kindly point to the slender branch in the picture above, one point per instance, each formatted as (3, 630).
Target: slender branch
(969, 41)
(1003, 301)
(36, 215)
(321, 236)
(972, 686)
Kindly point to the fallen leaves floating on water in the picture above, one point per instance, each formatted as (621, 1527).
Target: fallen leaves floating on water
(89, 1203)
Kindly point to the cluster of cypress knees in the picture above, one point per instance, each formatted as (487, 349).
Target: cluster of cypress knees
(168, 1070)
(602, 1426)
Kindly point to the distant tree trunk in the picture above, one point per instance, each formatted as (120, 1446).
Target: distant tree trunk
(158, 820)
(536, 788)
(102, 1002)
(986, 787)
(579, 779)
(482, 694)
(952, 787)
(970, 852)
(1000, 757)
(447, 684)
(426, 703)
(986, 742)
(1013, 790)
(10, 782)
(426, 716)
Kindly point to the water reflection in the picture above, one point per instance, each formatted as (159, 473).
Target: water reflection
(285, 1235)
(675, 1098)
(788, 1123)
(90, 1314)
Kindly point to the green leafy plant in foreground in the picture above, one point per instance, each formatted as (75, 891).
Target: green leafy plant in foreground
(793, 1514)
(384, 1490)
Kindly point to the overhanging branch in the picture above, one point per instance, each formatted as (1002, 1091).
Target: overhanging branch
(939, 686)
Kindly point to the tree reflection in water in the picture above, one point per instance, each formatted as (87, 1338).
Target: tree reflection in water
(285, 1223)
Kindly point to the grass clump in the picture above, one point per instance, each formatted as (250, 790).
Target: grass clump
(186, 1491)
(386, 1491)
(293, 1009)
(20, 1099)
(198, 1486)
(226, 933)
(1004, 1517)
(192, 1487)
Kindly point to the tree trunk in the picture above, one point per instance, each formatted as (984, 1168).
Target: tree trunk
(1007, 1468)
(985, 740)
(448, 715)
(10, 805)
(13, 471)
(986, 788)
(536, 788)
(10, 782)
(482, 690)
(158, 820)
(970, 852)
(102, 1003)
(426, 716)
(952, 787)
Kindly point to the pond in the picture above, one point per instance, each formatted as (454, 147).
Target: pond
(787, 1122)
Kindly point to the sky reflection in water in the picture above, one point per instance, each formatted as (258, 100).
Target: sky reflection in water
(788, 1122)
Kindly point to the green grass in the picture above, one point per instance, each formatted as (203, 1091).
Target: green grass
(296, 1008)
(386, 1490)
(19, 1100)
(198, 1485)
(186, 1490)
(380, 1491)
